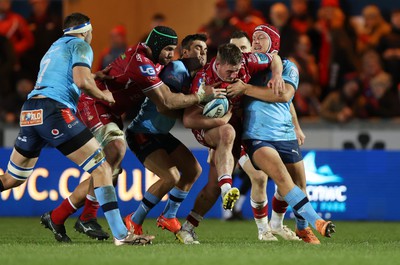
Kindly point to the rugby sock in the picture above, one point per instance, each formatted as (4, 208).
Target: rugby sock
(260, 212)
(176, 197)
(299, 202)
(62, 212)
(148, 202)
(301, 223)
(279, 207)
(260, 209)
(90, 209)
(225, 183)
(194, 218)
(108, 202)
(1, 186)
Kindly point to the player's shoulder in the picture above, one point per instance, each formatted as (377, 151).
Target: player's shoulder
(257, 58)
(175, 67)
(288, 63)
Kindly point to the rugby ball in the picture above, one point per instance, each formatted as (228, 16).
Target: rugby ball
(216, 108)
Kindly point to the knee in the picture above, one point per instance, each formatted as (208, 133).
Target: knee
(227, 133)
(259, 180)
(172, 178)
(116, 149)
(194, 173)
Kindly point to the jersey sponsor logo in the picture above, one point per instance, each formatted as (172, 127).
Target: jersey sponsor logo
(67, 115)
(31, 117)
(147, 70)
(262, 58)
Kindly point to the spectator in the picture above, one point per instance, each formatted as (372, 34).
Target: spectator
(336, 52)
(383, 102)
(389, 48)
(371, 66)
(158, 19)
(279, 16)
(15, 28)
(13, 102)
(7, 62)
(245, 17)
(374, 28)
(305, 61)
(46, 27)
(342, 105)
(305, 100)
(301, 20)
(219, 30)
(118, 44)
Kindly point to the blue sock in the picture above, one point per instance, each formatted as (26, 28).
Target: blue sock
(148, 202)
(176, 197)
(301, 223)
(108, 201)
(299, 202)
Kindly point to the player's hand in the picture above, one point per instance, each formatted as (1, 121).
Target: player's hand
(301, 137)
(210, 93)
(103, 74)
(237, 88)
(108, 97)
(277, 84)
(228, 115)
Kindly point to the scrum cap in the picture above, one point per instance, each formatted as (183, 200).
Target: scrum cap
(159, 38)
(273, 35)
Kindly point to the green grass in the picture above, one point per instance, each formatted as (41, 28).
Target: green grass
(25, 241)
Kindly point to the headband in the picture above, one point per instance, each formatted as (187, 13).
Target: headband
(82, 28)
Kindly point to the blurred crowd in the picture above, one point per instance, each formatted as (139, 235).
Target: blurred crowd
(349, 66)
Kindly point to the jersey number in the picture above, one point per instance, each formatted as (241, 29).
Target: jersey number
(44, 65)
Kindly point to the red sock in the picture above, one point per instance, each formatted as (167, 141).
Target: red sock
(62, 212)
(279, 206)
(224, 179)
(260, 212)
(89, 210)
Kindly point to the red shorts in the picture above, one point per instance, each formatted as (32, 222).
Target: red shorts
(95, 114)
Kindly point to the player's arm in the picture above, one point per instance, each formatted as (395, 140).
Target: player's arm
(193, 118)
(276, 82)
(261, 92)
(83, 79)
(167, 100)
(301, 137)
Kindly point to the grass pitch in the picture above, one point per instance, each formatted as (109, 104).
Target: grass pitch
(25, 241)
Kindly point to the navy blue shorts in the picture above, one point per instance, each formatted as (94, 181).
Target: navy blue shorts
(289, 151)
(46, 121)
(143, 144)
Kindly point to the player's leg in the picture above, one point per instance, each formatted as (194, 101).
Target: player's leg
(150, 150)
(111, 137)
(190, 170)
(114, 147)
(258, 198)
(19, 168)
(268, 160)
(297, 171)
(203, 203)
(91, 158)
(222, 138)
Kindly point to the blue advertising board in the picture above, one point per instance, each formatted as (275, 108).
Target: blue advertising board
(341, 185)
